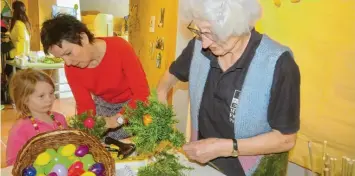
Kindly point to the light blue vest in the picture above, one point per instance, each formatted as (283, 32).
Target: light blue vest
(251, 115)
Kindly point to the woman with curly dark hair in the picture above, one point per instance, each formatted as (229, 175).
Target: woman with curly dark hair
(104, 73)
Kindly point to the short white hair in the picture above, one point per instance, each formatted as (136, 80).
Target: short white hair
(227, 17)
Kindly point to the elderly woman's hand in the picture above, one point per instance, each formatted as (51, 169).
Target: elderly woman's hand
(206, 150)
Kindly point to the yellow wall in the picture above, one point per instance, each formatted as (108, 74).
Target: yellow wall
(2, 5)
(118, 25)
(322, 36)
(140, 37)
(45, 10)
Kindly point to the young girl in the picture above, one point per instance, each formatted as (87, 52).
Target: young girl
(33, 94)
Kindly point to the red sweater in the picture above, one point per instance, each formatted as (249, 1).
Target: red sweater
(118, 78)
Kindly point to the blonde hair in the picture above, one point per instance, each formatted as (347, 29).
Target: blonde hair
(227, 17)
(22, 85)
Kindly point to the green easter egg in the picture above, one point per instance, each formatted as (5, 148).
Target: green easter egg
(59, 159)
(56, 158)
(88, 161)
(39, 169)
(73, 159)
(87, 157)
(51, 152)
(60, 149)
(65, 161)
(48, 168)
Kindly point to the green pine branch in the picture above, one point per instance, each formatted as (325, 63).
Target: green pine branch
(77, 122)
(147, 138)
(166, 164)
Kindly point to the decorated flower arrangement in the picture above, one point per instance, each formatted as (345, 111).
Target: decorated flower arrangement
(152, 125)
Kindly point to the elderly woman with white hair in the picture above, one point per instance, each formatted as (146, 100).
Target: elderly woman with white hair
(244, 90)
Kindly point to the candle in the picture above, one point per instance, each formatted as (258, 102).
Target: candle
(310, 156)
(327, 160)
(343, 166)
(332, 166)
(353, 169)
(326, 172)
(324, 149)
(350, 167)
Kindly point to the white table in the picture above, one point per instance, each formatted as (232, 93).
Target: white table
(41, 66)
(201, 170)
(6, 171)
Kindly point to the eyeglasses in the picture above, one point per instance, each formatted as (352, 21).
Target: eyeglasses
(198, 32)
(195, 31)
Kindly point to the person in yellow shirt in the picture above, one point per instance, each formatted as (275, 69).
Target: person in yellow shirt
(20, 30)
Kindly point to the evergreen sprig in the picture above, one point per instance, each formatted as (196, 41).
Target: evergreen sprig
(166, 164)
(77, 122)
(273, 165)
(147, 138)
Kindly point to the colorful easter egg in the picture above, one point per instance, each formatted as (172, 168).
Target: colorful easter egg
(82, 150)
(42, 159)
(97, 168)
(88, 174)
(88, 161)
(60, 170)
(68, 150)
(29, 171)
(89, 122)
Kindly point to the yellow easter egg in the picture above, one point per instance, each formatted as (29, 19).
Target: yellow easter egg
(40, 175)
(88, 174)
(68, 150)
(43, 159)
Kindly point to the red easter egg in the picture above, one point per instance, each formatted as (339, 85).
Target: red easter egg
(76, 169)
(89, 122)
(77, 165)
(76, 172)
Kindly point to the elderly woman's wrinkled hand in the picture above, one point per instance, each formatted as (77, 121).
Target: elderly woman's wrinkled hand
(206, 150)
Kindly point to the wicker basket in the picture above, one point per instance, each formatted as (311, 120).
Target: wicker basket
(55, 139)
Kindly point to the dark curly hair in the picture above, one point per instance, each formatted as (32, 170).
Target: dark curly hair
(63, 27)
